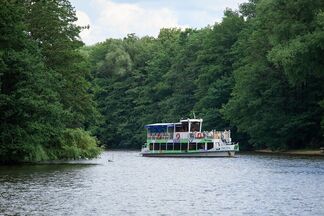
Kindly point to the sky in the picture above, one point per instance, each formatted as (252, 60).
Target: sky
(117, 18)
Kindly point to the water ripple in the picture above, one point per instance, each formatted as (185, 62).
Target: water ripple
(132, 185)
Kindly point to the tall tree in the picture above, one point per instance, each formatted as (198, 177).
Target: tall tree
(31, 115)
(44, 100)
(215, 62)
(52, 24)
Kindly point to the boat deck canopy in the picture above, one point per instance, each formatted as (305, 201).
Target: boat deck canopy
(159, 126)
(191, 120)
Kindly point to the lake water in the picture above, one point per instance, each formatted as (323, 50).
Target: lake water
(134, 185)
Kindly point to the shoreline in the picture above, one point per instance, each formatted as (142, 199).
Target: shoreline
(316, 153)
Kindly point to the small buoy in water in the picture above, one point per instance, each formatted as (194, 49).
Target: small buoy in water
(112, 158)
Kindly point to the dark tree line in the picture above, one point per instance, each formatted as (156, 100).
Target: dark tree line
(258, 72)
(45, 104)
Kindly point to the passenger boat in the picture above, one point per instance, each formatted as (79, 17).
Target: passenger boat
(186, 139)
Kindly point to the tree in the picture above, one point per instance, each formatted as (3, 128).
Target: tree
(51, 25)
(215, 81)
(44, 91)
(278, 84)
(31, 115)
(258, 72)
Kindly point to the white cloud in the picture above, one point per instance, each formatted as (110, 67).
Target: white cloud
(223, 4)
(113, 19)
(116, 20)
(84, 20)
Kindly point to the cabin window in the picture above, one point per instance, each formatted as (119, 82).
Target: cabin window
(195, 127)
(192, 146)
(184, 146)
(178, 128)
(176, 146)
(210, 146)
(156, 146)
(183, 127)
(170, 146)
(201, 146)
(163, 146)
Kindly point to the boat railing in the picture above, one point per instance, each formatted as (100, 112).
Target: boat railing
(223, 135)
(209, 134)
(155, 136)
(201, 135)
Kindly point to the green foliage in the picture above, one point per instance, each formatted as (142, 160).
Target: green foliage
(77, 143)
(258, 73)
(215, 80)
(278, 76)
(119, 83)
(163, 79)
(50, 24)
(34, 113)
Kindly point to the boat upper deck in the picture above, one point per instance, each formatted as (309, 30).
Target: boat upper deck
(186, 129)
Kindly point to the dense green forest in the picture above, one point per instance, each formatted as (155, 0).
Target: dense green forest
(259, 72)
(47, 110)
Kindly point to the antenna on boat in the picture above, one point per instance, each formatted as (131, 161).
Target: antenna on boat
(194, 115)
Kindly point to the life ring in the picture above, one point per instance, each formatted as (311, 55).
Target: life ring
(158, 136)
(199, 135)
(177, 136)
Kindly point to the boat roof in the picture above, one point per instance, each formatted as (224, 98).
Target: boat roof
(160, 125)
(166, 125)
(191, 120)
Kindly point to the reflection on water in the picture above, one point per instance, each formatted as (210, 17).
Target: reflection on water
(133, 185)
